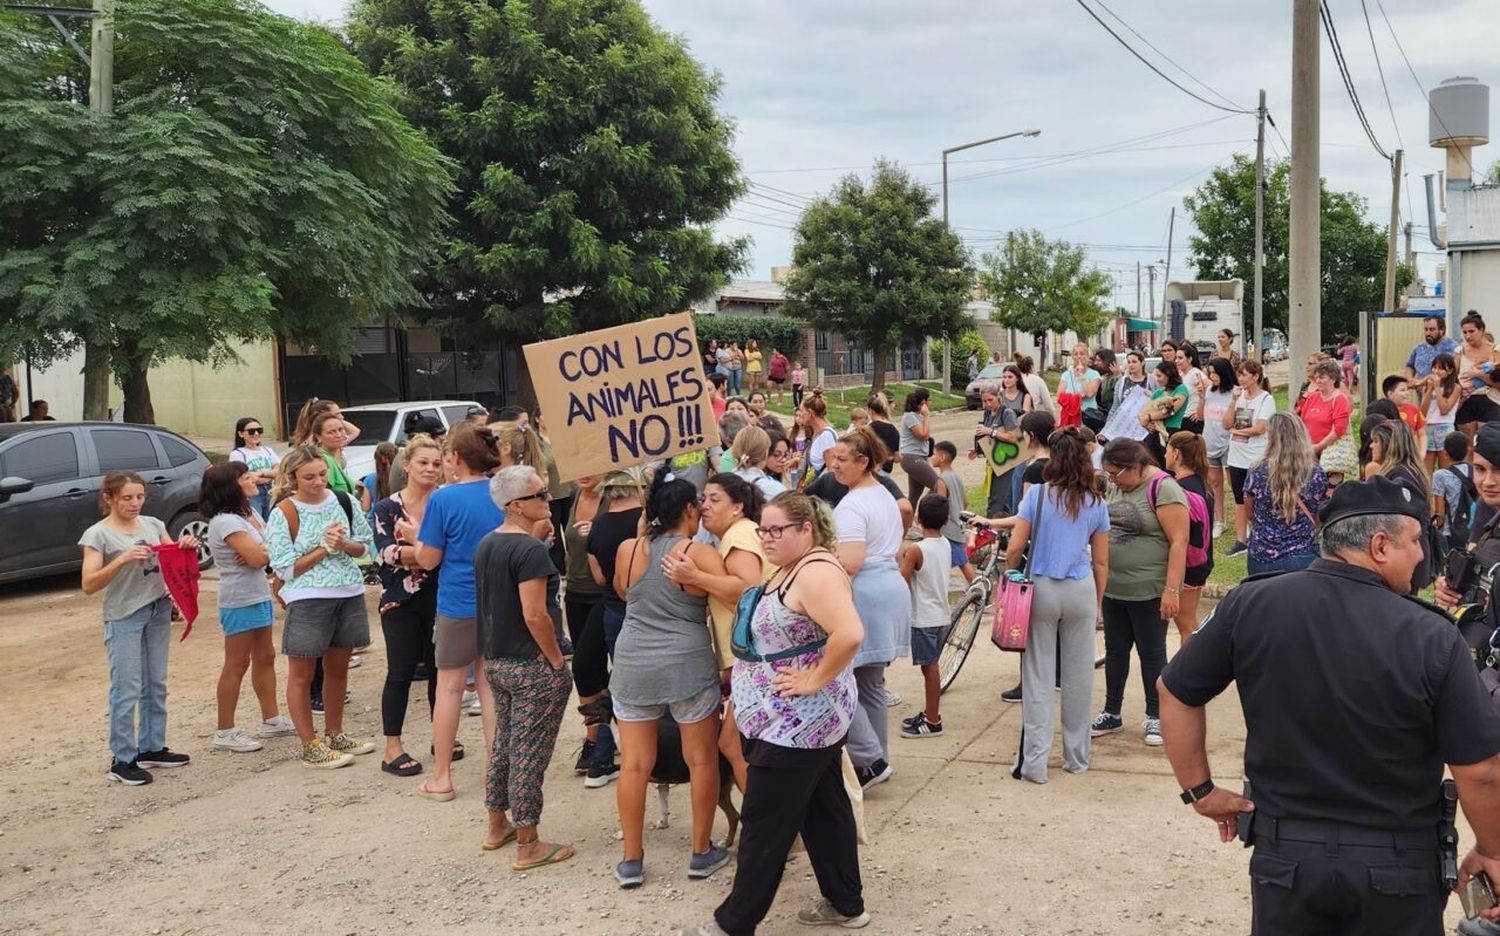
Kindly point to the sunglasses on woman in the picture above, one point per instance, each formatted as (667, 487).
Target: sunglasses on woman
(542, 495)
(253, 430)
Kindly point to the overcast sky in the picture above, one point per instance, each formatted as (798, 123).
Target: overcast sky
(818, 89)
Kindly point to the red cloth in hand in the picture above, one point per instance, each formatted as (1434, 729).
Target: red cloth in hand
(1069, 409)
(179, 571)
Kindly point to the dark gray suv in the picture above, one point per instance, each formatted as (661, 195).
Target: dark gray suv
(50, 474)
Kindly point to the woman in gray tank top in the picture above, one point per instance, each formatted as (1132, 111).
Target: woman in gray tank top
(664, 661)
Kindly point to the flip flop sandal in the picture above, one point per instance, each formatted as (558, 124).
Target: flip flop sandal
(403, 766)
(458, 752)
(504, 841)
(436, 796)
(557, 855)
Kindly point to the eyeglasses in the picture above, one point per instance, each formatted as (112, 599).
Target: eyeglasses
(253, 430)
(542, 495)
(1113, 475)
(774, 533)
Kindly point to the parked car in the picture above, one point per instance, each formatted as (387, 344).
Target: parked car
(50, 476)
(988, 379)
(386, 422)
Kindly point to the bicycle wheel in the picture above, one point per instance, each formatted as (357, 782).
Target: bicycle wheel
(959, 639)
(1098, 646)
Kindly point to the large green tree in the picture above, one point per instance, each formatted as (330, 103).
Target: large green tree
(1039, 285)
(872, 261)
(591, 159)
(253, 181)
(1353, 247)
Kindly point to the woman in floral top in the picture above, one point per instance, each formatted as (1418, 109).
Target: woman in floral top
(1283, 493)
(793, 715)
(408, 605)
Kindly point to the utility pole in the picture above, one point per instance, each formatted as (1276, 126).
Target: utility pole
(1260, 225)
(1138, 289)
(1167, 276)
(96, 363)
(1151, 286)
(1390, 253)
(1304, 284)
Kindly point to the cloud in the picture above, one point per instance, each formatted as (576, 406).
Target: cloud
(816, 88)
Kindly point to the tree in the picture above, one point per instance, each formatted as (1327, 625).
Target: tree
(252, 182)
(1492, 177)
(591, 160)
(872, 262)
(1040, 285)
(1353, 248)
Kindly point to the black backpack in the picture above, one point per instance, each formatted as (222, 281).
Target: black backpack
(1462, 513)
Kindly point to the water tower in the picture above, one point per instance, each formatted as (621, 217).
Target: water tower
(1458, 120)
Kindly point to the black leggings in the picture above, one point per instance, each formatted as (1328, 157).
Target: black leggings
(590, 656)
(803, 793)
(408, 641)
(1137, 624)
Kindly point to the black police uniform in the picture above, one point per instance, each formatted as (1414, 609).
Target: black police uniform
(1354, 698)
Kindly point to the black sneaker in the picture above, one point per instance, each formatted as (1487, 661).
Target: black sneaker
(421, 674)
(129, 774)
(317, 704)
(1011, 695)
(601, 775)
(585, 758)
(1238, 549)
(877, 773)
(162, 758)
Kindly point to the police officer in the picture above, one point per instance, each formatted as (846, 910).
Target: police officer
(1354, 698)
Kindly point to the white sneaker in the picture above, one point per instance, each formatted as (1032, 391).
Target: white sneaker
(356, 661)
(236, 740)
(277, 726)
(470, 703)
(1218, 530)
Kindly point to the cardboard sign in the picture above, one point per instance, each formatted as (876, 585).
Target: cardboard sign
(623, 396)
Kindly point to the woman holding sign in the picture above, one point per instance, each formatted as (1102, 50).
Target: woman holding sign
(119, 561)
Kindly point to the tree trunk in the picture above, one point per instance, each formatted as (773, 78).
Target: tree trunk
(96, 379)
(138, 407)
(882, 353)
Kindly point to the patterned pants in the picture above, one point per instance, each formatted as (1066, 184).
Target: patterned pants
(530, 698)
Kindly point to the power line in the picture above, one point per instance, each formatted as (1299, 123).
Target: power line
(1421, 88)
(1338, 56)
(1131, 204)
(1101, 4)
(1163, 75)
(1380, 70)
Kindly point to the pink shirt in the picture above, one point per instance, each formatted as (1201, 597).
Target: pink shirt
(799, 376)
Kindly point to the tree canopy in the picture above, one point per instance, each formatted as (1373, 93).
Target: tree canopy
(1353, 248)
(872, 262)
(253, 181)
(591, 159)
(1039, 285)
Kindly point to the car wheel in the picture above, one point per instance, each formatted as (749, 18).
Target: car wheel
(190, 523)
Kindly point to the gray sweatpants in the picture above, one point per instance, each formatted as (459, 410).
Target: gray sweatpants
(868, 734)
(1063, 613)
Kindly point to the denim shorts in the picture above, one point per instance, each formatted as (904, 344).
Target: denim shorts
(926, 644)
(249, 618)
(960, 555)
(694, 708)
(315, 624)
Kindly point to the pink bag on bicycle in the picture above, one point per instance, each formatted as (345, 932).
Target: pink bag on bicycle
(1012, 623)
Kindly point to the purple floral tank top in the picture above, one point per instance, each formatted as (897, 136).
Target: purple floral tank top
(813, 721)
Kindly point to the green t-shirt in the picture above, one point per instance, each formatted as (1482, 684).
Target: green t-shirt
(1137, 544)
(1174, 422)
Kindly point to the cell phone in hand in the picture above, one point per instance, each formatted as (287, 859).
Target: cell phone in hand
(1477, 896)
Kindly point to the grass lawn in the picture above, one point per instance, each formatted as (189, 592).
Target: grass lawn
(841, 401)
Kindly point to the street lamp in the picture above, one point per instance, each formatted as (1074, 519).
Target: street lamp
(948, 340)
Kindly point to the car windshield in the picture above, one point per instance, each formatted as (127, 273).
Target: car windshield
(375, 426)
(991, 372)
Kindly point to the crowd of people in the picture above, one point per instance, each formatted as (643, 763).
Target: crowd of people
(504, 588)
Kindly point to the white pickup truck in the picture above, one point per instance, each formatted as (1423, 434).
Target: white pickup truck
(386, 422)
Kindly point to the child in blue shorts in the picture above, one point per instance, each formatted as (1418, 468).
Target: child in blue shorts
(926, 565)
(951, 486)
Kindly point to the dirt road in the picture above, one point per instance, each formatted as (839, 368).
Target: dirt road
(252, 843)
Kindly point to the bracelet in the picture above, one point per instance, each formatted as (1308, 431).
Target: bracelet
(1171, 590)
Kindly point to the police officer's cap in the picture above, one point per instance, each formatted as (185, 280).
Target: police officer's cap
(1379, 495)
(1487, 442)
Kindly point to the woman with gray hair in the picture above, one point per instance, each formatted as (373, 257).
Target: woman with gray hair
(527, 675)
(1325, 412)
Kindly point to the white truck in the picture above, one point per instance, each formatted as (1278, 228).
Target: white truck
(1197, 311)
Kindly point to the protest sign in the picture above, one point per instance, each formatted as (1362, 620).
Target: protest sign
(1126, 421)
(623, 396)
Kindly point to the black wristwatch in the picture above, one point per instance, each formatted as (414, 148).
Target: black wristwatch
(1198, 792)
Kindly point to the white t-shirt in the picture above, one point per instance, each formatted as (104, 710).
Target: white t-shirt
(869, 515)
(821, 443)
(256, 459)
(1244, 452)
(929, 584)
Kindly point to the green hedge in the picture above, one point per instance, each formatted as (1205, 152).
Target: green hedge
(769, 331)
(969, 341)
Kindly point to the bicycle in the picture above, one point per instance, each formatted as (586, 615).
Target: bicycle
(987, 553)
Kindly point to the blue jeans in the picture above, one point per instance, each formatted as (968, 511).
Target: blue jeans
(1296, 562)
(137, 647)
(736, 375)
(261, 503)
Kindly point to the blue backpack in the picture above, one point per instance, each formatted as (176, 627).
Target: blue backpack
(742, 636)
